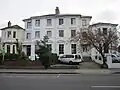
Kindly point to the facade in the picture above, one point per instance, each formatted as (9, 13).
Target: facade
(60, 28)
(103, 28)
(9, 36)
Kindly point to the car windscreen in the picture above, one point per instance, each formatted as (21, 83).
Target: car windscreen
(77, 57)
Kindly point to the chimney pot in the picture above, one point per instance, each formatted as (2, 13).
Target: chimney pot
(57, 10)
(9, 24)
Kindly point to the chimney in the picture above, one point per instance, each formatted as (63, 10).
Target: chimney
(57, 10)
(9, 24)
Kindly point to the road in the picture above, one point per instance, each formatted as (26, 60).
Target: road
(59, 82)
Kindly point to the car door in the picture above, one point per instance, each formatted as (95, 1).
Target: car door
(62, 58)
(78, 58)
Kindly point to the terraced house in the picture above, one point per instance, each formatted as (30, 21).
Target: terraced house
(60, 28)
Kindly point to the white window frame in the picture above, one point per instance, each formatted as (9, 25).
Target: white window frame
(29, 24)
(49, 33)
(37, 22)
(37, 34)
(28, 37)
(73, 21)
(49, 22)
(61, 33)
(61, 21)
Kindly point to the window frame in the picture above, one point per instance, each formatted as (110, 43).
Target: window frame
(29, 36)
(61, 21)
(8, 49)
(61, 48)
(73, 34)
(49, 35)
(14, 34)
(73, 21)
(37, 22)
(8, 34)
(61, 33)
(49, 22)
(37, 35)
(29, 25)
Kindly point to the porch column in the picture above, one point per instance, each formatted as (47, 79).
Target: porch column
(33, 52)
(11, 48)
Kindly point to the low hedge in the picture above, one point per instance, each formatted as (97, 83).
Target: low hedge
(49, 59)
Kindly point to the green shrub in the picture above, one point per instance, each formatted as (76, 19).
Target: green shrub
(53, 58)
(45, 61)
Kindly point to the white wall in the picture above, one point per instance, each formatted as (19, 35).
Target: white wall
(55, 40)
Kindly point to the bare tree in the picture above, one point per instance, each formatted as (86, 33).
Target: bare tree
(99, 40)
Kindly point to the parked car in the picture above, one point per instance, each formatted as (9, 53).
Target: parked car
(71, 58)
(115, 58)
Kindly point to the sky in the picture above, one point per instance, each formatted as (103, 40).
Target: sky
(100, 10)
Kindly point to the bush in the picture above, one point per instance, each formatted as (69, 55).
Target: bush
(53, 58)
(49, 59)
(45, 61)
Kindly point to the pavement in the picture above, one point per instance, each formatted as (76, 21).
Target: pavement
(59, 82)
(61, 71)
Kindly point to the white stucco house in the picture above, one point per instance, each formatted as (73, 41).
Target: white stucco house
(60, 28)
(103, 28)
(9, 36)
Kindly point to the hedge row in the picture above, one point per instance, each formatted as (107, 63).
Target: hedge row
(49, 59)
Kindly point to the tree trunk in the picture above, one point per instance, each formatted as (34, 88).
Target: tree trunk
(104, 65)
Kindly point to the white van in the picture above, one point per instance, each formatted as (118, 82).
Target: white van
(115, 57)
(71, 58)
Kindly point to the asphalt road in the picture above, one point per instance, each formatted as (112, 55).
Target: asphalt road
(59, 82)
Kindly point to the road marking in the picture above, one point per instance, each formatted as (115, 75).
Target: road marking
(105, 86)
(58, 75)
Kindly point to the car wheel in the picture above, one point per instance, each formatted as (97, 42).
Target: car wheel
(70, 62)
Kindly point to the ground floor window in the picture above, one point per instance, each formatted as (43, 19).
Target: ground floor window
(13, 49)
(73, 48)
(8, 48)
(28, 50)
(61, 48)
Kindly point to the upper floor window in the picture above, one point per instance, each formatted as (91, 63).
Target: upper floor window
(61, 33)
(84, 22)
(49, 22)
(61, 21)
(37, 23)
(8, 34)
(29, 24)
(28, 36)
(105, 31)
(37, 34)
(14, 34)
(73, 33)
(73, 21)
(49, 33)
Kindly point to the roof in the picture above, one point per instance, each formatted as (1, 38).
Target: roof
(101, 23)
(14, 26)
(58, 15)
